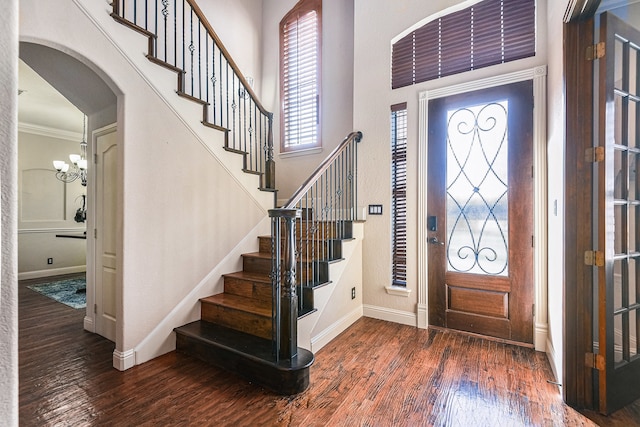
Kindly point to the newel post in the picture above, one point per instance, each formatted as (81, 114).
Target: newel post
(270, 164)
(285, 296)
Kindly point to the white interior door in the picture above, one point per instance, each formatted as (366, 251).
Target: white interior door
(106, 231)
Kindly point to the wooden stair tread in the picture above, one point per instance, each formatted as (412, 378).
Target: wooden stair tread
(248, 305)
(254, 277)
(261, 255)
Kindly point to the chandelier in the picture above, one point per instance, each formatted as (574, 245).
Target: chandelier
(66, 172)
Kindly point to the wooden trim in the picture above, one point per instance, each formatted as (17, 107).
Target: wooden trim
(578, 299)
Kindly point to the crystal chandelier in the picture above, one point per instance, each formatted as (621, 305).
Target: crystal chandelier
(78, 168)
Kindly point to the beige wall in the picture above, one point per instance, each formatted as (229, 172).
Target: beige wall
(556, 163)
(46, 207)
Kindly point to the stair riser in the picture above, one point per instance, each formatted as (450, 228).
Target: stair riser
(239, 320)
(247, 288)
(326, 231)
(329, 249)
(286, 382)
(256, 265)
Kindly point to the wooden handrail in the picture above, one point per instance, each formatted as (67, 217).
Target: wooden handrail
(300, 192)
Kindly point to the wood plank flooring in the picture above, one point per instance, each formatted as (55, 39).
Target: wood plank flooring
(375, 374)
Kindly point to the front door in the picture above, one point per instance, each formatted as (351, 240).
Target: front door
(480, 212)
(618, 196)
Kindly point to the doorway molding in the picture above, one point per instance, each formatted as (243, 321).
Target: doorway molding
(539, 77)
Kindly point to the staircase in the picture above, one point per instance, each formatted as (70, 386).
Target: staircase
(251, 328)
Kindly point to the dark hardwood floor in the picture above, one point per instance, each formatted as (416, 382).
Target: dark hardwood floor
(375, 374)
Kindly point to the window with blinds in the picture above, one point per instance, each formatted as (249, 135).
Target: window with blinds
(487, 33)
(300, 47)
(399, 194)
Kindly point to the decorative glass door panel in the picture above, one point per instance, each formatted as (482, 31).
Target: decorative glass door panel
(480, 207)
(477, 189)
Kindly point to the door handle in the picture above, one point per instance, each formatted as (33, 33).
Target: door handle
(435, 241)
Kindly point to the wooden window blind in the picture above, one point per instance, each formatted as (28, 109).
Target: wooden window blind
(487, 33)
(399, 194)
(300, 48)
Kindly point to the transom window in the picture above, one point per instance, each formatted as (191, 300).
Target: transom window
(489, 32)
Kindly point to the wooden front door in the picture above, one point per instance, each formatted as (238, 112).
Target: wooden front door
(480, 212)
(618, 196)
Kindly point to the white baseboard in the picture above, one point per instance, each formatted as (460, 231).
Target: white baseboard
(423, 318)
(391, 315)
(123, 360)
(89, 325)
(541, 333)
(52, 272)
(335, 329)
(551, 355)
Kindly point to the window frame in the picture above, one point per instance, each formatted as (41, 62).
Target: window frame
(302, 8)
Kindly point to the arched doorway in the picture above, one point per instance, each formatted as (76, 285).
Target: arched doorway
(91, 95)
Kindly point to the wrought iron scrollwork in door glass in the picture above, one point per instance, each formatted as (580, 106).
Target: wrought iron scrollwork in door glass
(477, 189)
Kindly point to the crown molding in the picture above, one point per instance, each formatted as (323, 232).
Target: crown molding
(49, 131)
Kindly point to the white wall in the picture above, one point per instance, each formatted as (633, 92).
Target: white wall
(377, 22)
(46, 206)
(556, 164)
(337, 86)
(184, 204)
(238, 23)
(8, 213)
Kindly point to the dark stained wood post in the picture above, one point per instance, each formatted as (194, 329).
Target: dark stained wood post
(289, 301)
(287, 315)
(270, 164)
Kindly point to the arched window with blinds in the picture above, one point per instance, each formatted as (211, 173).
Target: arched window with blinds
(300, 47)
(489, 32)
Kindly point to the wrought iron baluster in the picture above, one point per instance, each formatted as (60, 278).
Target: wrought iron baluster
(199, 59)
(184, 50)
(191, 50)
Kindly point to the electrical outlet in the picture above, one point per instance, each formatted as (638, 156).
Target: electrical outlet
(353, 293)
(49, 261)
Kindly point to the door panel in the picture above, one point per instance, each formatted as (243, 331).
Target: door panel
(480, 192)
(618, 196)
(106, 217)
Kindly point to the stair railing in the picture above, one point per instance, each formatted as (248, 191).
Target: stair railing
(303, 237)
(183, 40)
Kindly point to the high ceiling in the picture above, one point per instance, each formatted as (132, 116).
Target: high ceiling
(41, 105)
(58, 89)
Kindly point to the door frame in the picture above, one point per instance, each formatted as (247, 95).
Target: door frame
(539, 77)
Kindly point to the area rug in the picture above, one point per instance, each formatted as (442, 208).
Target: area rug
(71, 292)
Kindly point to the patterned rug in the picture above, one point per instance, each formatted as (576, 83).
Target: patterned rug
(71, 292)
